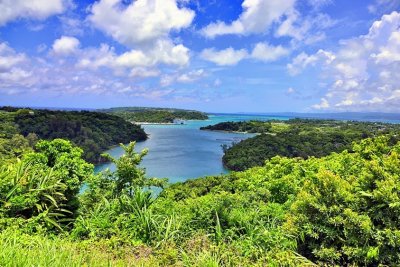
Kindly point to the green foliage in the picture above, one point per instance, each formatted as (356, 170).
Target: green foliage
(129, 175)
(155, 115)
(338, 210)
(348, 211)
(14, 147)
(241, 126)
(93, 131)
(296, 138)
(43, 186)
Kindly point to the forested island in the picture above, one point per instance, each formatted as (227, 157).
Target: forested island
(155, 115)
(338, 209)
(296, 138)
(94, 132)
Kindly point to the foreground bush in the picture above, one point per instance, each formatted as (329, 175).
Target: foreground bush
(339, 210)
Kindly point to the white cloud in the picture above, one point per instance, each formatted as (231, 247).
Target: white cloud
(144, 26)
(191, 76)
(140, 22)
(266, 52)
(66, 45)
(164, 52)
(308, 29)
(290, 91)
(303, 60)
(140, 72)
(32, 9)
(229, 56)
(226, 57)
(324, 104)
(9, 58)
(257, 17)
(12, 70)
(20, 74)
(363, 72)
(383, 6)
(391, 51)
(71, 25)
(188, 77)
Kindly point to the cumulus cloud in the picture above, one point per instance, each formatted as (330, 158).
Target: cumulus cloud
(13, 75)
(229, 56)
(188, 77)
(324, 104)
(144, 26)
(304, 60)
(363, 72)
(257, 17)
(266, 52)
(141, 21)
(164, 52)
(22, 74)
(225, 57)
(308, 30)
(66, 45)
(33, 9)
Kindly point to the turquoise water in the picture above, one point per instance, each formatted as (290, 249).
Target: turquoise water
(181, 152)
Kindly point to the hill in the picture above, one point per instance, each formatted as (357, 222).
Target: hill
(295, 138)
(154, 115)
(95, 132)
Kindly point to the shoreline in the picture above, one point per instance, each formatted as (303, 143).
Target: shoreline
(155, 123)
(222, 131)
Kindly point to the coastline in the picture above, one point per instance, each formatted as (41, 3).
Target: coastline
(155, 123)
(222, 131)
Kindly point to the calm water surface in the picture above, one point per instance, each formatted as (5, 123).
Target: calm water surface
(181, 152)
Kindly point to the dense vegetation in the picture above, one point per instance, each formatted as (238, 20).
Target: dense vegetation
(241, 126)
(296, 138)
(92, 131)
(155, 115)
(338, 210)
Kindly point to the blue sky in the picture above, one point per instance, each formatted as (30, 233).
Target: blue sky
(214, 55)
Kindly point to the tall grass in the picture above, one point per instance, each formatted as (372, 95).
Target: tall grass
(17, 249)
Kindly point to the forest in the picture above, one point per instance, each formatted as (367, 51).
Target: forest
(296, 138)
(94, 132)
(155, 115)
(338, 210)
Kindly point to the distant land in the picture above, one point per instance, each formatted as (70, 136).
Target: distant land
(141, 115)
(362, 116)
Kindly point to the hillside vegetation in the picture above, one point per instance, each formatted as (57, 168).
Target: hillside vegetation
(296, 138)
(338, 210)
(93, 131)
(155, 115)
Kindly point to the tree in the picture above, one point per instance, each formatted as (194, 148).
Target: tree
(129, 175)
(348, 212)
(68, 166)
(44, 186)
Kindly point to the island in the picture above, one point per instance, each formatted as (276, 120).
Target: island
(147, 115)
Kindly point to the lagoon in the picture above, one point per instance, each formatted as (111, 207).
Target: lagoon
(182, 152)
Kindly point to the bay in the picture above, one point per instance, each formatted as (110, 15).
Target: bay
(181, 152)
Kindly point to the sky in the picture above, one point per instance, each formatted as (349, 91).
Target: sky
(209, 55)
